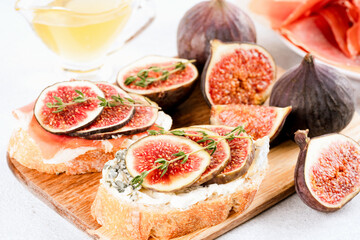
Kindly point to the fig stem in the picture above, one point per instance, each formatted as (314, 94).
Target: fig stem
(59, 105)
(142, 78)
(309, 58)
(164, 164)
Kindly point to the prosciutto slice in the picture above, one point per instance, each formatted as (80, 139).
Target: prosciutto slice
(50, 144)
(276, 11)
(314, 35)
(329, 29)
(353, 36)
(337, 18)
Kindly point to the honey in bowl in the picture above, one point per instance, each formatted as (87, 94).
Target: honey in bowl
(81, 30)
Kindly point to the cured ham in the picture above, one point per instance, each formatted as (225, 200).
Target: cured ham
(329, 29)
(35, 148)
(276, 11)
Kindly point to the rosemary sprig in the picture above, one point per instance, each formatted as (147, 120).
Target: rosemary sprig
(163, 164)
(117, 100)
(142, 78)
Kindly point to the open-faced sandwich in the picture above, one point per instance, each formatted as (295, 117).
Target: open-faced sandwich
(172, 183)
(77, 126)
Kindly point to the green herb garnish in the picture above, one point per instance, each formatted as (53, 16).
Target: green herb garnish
(142, 78)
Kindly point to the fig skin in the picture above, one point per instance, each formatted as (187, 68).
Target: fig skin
(219, 50)
(165, 97)
(84, 133)
(215, 19)
(223, 178)
(226, 152)
(302, 139)
(322, 99)
(125, 130)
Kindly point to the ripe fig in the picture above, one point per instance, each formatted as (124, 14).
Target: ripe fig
(219, 159)
(322, 99)
(237, 73)
(327, 174)
(242, 154)
(144, 117)
(111, 118)
(215, 19)
(56, 111)
(258, 121)
(168, 92)
(143, 154)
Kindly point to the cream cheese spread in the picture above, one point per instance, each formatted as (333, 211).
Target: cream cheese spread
(117, 181)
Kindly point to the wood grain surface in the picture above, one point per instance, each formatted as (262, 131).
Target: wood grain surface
(72, 196)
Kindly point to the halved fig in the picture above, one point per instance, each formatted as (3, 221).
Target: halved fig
(327, 174)
(219, 159)
(142, 154)
(111, 118)
(143, 118)
(242, 154)
(166, 93)
(258, 121)
(237, 73)
(66, 116)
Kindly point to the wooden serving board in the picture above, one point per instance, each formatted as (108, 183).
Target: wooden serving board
(72, 196)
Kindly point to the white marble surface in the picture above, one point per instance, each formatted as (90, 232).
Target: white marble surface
(26, 67)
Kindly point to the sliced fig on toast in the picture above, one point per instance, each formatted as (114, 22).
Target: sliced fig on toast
(219, 159)
(111, 118)
(143, 118)
(242, 154)
(327, 173)
(58, 111)
(147, 154)
(258, 121)
(171, 88)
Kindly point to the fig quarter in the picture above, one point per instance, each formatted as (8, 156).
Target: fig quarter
(327, 173)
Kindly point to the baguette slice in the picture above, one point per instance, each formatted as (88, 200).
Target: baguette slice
(35, 148)
(174, 215)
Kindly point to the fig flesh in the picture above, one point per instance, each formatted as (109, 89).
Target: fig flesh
(327, 174)
(322, 99)
(142, 154)
(237, 73)
(111, 118)
(73, 116)
(216, 19)
(242, 155)
(144, 117)
(166, 93)
(258, 121)
(219, 159)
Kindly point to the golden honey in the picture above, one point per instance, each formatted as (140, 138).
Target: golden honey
(81, 30)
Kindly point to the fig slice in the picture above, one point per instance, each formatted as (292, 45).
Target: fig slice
(142, 154)
(143, 118)
(242, 154)
(237, 73)
(111, 118)
(258, 121)
(166, 93)
(73, 116)
(219, 159)
(327, 173)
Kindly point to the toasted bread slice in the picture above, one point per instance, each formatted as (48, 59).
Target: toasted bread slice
(171, 215)
(35, 148)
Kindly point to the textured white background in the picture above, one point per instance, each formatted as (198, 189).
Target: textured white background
(26, 67)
